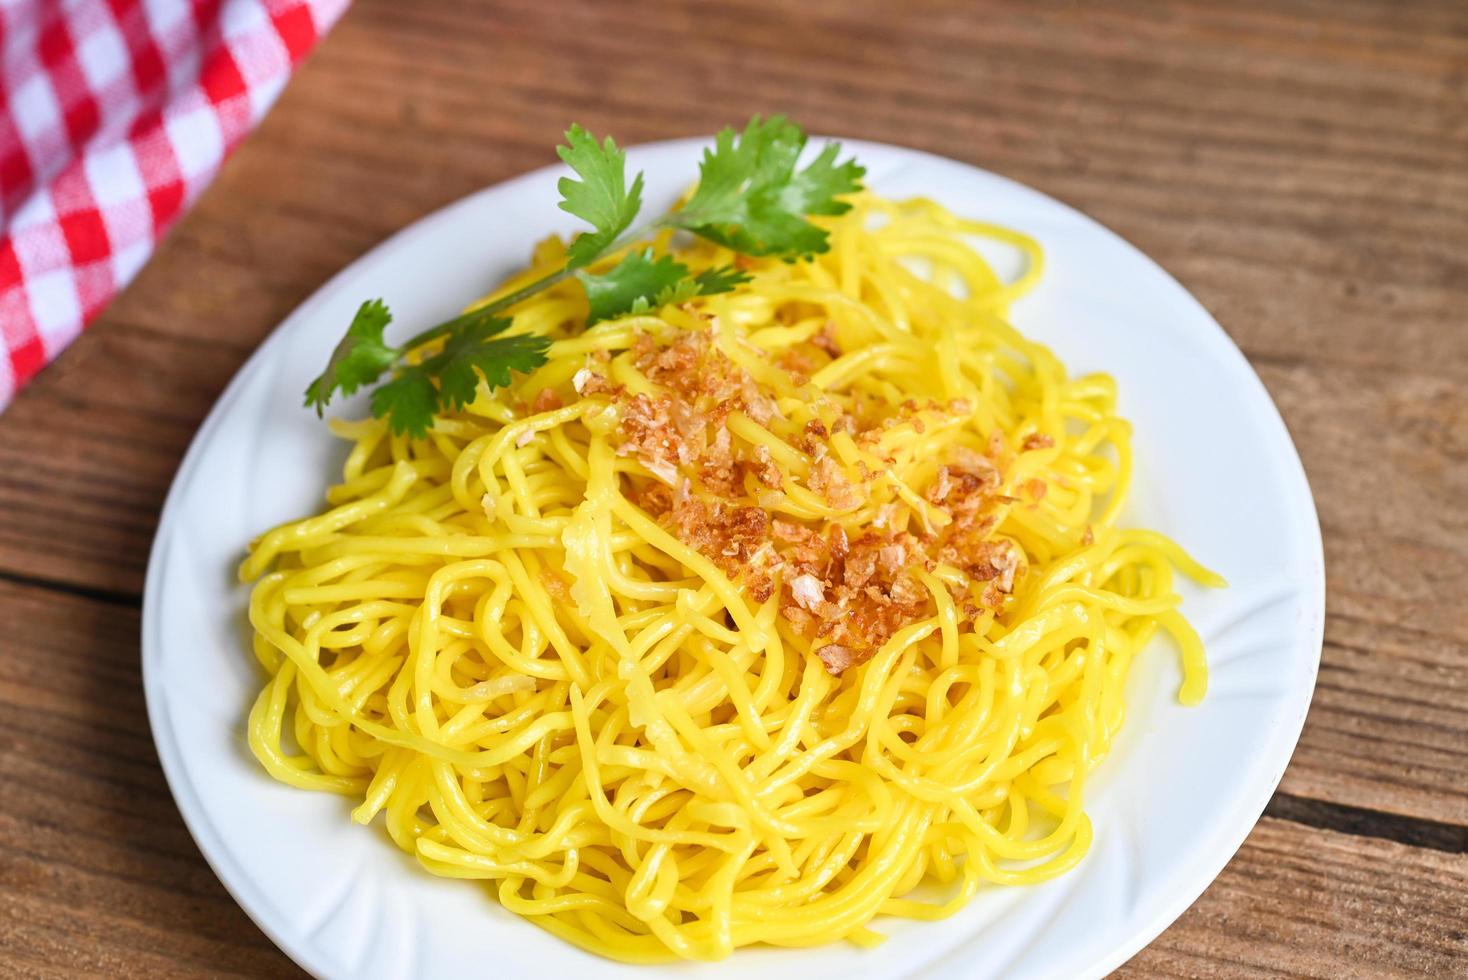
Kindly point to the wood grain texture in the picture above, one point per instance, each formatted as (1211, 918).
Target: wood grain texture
(1311, 903)
(1301, 166)
(97, 872)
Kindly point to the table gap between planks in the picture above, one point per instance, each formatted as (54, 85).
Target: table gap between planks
(1302, 167)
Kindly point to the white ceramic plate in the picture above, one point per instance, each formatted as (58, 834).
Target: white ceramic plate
(1183, 787)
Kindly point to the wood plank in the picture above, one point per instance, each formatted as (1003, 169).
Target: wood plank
(1387, 455)
(98, 875)
(1301, 902)
(1307, 169)
(87, 453)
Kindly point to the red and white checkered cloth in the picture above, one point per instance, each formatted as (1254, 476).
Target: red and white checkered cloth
(114, 115)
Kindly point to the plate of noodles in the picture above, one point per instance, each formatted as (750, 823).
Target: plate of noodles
(870, 570)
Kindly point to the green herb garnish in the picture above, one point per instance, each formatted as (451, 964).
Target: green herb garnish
(750, 198)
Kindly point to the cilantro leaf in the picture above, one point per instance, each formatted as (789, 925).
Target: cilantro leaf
(721, 279)
(631, 285)
(471, 351)
(408, 401)
(474, 351)
(751, 198)
(640, 283)
(359, 358)
(818, 188)
(601, 197)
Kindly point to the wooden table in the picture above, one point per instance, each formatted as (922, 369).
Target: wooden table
(1302, 167)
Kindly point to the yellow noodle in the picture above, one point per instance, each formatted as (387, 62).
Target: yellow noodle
(537, 684)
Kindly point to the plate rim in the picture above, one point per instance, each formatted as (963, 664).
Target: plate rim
(231, 874)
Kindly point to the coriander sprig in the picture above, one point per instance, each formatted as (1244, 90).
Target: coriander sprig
(750, 198)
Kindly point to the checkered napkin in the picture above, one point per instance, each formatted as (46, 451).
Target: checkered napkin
(114, 115)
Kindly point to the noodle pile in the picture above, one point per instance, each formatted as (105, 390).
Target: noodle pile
(737, 620)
